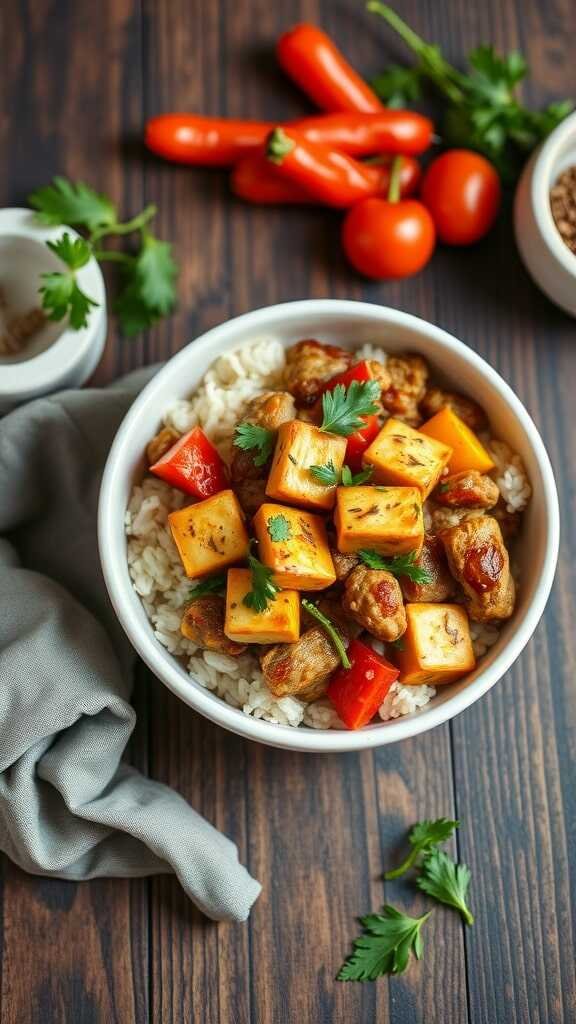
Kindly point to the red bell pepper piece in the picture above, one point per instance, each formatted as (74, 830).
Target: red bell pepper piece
(359, 441)
(193, 465)
(357, 692)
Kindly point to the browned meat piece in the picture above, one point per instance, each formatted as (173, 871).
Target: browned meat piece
(469, 489)
(408, 375)
(433, 560)
(301, 669)
(374, 599)
(380, 373)
(203, 623)
(478, 559)
(269, 410)
(160, 444)
(466, 408)
(251, 494)
(309, 364)
(443, 518)
(509, 521)
(343, 564)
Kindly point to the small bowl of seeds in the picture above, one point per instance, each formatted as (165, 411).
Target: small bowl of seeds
(545, 216)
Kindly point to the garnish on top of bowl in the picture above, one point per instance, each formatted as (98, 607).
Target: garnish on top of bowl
(346, 523)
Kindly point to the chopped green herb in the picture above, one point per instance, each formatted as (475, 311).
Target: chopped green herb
(343, 407)
(330, 629)
(211, 585)
(423, 837)
(279, 528)
(398, 644)
(61, 293)
(399, 565)
(327, 474)
(249, 437)
(385, 945)
(68, 202)
(350, 479)
(446, 882)
(263, 590)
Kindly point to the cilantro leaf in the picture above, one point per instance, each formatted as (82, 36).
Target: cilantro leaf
(249, 436)
(446, 882)
(423, 837)
(350, 479)
(263, 589)
(60, 291)
(398, 86)
(279, 528)
(343, 407)
(64, 202)
(74, 252)
(211, 585)
(399, 565)
(327, 474)
(385, 945)
(330, 629)
(155, 274)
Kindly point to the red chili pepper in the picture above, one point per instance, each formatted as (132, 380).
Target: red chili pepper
(357, 692)
(254, 179)
(358, 442)
(193, 465)
(310, 57)
(333, 178)
(218, 142)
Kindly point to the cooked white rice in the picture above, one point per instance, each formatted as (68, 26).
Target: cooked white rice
(159, 579)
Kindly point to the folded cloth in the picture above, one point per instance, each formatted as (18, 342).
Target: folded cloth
(69, 807)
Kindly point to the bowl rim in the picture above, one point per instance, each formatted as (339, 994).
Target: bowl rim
(288, 737)
(540, 193)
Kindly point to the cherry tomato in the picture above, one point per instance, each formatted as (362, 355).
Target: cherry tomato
(387, 240)
(462, 191)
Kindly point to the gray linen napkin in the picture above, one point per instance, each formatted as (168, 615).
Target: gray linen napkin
(69, 807)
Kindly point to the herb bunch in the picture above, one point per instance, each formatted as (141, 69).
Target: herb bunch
(388, 938)
(483, 112)
(148, 275)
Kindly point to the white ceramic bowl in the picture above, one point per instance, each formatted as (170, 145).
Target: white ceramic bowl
(349, 324)
(547, 259)
(57, 356)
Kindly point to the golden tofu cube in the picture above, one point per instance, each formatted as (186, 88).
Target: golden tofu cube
(294, 544)
(300, 446)
(279, 624)
(401, 455)
(437, 645)
(210, 535)
(388, 520)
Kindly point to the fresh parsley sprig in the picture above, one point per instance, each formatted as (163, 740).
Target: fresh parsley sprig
(483, 111)
(211, 585)
(263, 590)
(399, 565)
(250, 437)
(343, 407)
(446, 882)
(330, 629)
(423, 837)
(385, 945)
(148, 276)
(329, 475)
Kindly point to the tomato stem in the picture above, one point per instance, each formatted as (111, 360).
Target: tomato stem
(278, 145)
(394, 186)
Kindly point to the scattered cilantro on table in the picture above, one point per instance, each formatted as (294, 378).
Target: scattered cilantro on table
(148, 276)
(446, 882)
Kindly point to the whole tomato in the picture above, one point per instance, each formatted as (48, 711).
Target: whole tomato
(462, 191)
(385, 239)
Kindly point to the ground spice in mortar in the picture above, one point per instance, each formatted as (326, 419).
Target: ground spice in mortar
(17, 331)
(563, 205)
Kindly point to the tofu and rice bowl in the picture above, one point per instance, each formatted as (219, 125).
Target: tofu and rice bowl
(323, 535)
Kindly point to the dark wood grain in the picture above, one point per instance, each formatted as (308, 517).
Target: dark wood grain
(76, 83)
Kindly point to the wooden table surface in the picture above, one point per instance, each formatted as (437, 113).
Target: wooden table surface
(77, 80)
